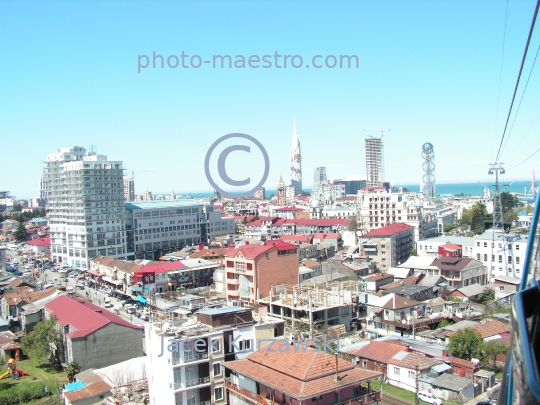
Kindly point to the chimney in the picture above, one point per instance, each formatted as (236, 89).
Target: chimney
(336, 378)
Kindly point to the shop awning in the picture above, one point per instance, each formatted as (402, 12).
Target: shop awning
(140, 299)
(93, 273)
(136, 288)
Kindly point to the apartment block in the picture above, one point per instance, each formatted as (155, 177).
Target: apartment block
(186, 358)
(85, 204)
(251, 270)
(389, 246)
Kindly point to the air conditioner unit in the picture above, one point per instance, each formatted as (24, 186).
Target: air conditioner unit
(206, 379)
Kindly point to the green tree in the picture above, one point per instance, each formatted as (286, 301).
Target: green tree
(44, 343)
(443, 323)
(465, 344)
(509, 201)
(16, 208)
(490, 350)
(72, 370)
(486, 296)
(20, 233)
(478, 215)
(414, 252)
(448, 227)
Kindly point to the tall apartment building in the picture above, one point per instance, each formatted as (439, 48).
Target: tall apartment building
(44, 186)
(319, 178)
(185, 360)
(374, 162)
(260, 194)
(155, 228)
(129, 189)
(86, 207)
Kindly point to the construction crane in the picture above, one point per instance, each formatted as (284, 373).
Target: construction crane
(374, 129)
(133, 173)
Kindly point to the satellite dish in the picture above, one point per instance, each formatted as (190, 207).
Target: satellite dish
(403, 321)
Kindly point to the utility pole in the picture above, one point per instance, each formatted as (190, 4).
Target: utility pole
(498, 217)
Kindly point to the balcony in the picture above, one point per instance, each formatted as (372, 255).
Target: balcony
(191, 383)
(189, 358)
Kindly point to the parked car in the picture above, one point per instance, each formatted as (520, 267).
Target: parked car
(108, 305)
(429, 398)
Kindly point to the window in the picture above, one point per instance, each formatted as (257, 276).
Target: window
(517, 260)
(478, 244)
(501, 288)
(411, 375)
(485, 244)
(396, 370)
(517, 247)
(245, 345)
(217, 369)
(364, 363)
(218, 393)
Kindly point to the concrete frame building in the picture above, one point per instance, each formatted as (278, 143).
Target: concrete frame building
(129, 189)
(86, 212)
(374, 162)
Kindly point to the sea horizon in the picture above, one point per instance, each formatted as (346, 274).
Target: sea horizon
(443, 189)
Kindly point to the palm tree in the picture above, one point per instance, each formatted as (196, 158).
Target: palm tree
(72, 370)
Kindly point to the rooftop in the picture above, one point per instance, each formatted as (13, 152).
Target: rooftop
(388, 230)
(411, 360)
(158, 204)
(451, 382)
(379, 352)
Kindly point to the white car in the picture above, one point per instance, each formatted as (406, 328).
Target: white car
(429, 398)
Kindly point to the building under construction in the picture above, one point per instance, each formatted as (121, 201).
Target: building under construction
(374, 162)
(316, 309)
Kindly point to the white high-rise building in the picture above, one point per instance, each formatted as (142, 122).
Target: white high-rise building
(319, 178)
(296, 163)
(86, 207)
(374, 162)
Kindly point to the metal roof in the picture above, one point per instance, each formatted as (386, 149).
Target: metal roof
(451, 382)
(159, 204)
(222, 310)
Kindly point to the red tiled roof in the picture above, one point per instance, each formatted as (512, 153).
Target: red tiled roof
(451, 246)
(378, 276)
(456, 361)
(491, 328)
(252, 251)
(411, 360)
(313, 372)
(289, 209)
(406, 281)
(322, 235)
(82, 315)
(39, 242)
(380, 352)
(297, 238)
(389, 230)
(161, 267)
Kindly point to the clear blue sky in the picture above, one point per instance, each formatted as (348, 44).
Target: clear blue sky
(428, 70)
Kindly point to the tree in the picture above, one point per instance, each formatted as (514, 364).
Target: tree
(478, 215)
(448, 227)
(490, 350)
(16, 208)
(486, 296)
(465, 344)
(44, 343)
(443, 323)
(72, 370)
(414, 252)
(353, 225)
(20, 233)
(509, 202)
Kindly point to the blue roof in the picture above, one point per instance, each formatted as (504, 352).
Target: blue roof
(222, 310)
(141, 299)
(77, 385)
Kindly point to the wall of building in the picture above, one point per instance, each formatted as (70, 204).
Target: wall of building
(109, 345)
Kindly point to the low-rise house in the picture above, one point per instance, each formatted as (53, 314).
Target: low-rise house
(333, 239)
(39, 245)
(411, 291)
(421, 265)
(308, 270)
(403, 366)
(505, 285)
(493, 330)
(461, 271)
(375, 355)
(463, 368)
(400, 273)
(317, 377)
(469, 293)
(297, 239)
(92, 336)
(13, 301)
(88, 389)
(376, 281)
(307, 251)
(395, 315)
(10, 347)
(452, 387)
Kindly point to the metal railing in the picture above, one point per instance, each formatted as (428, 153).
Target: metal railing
(192, 383)
(189, 357)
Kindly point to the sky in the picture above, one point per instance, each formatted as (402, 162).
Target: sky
(428, 71)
